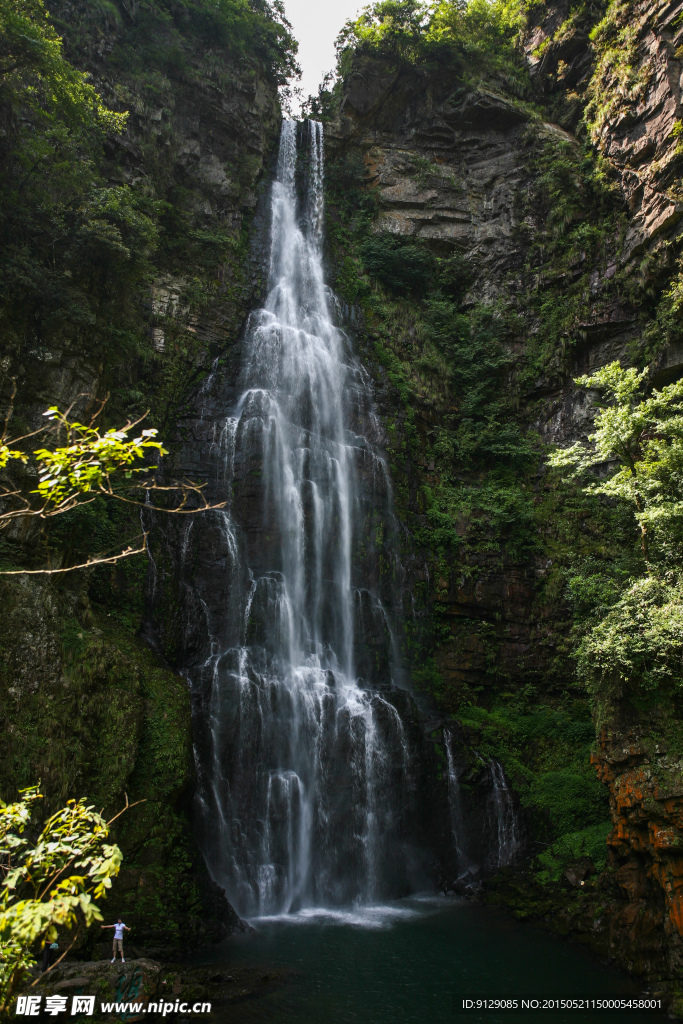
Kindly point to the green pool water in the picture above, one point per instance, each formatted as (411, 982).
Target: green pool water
(414, 961)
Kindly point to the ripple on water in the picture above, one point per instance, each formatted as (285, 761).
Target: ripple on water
(380, 916)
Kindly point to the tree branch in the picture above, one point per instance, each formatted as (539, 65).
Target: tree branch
(52, 966)
(128, 553)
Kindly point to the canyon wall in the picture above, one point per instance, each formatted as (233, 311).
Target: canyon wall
(88, 708)
(558, 208)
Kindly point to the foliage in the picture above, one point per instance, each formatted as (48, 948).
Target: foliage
(91, 463)
(477, 37)
(109, 684)
(394, 28)
(618, 76)
(545, 751)
(632, 634)
(400, 268)
(50, 883)
(587, 842)
(71, 247)
(637, 645)
(89, 459)
(487, 516)
(645, 438)
(577, 209)
(35, 75)
(81, 235)
(88, 462)
(479, 367)
(256, 31)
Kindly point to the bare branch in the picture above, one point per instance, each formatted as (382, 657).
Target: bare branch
(185, 488)
(128, 553)
(8, 417)
(10, 409)
(126, 808)
(103, 402)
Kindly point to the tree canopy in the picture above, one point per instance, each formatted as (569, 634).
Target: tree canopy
(633, 637)
(49, 883)
(478, 35)
(640, 442)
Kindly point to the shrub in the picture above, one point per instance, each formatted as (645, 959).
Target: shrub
(402, 268)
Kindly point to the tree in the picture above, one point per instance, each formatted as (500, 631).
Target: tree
(35, 75)
(476, 35)
(394, 28)
(86, 463)
(639, 443)
(48, 884)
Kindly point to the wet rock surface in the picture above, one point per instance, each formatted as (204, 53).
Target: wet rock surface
(447, 170)
(167, 986)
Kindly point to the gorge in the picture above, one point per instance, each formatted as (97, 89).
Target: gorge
(305, 776)
(402, 653)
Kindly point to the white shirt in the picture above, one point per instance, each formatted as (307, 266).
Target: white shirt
(118, 931)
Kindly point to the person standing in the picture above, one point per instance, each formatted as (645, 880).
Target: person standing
(119, 929)
(49, 954)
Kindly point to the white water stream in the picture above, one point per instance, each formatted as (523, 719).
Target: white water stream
(303, 766)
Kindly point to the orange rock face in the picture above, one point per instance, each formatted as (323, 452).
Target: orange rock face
(646, 844)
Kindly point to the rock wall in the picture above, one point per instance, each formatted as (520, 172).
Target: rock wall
(631, 77)
(88, 708)
(463, 169)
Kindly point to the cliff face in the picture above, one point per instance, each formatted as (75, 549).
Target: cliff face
(88, 708)
(580, 272)
(202, 121)
(631, 77)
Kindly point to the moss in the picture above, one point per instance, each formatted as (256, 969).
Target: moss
(619, 76)
(461, 380)
(102, 720)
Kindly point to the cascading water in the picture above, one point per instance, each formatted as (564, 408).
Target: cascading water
(302, 740)
(508, 841)
(455, 809)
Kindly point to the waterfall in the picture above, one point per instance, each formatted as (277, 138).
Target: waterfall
(507, 838)
(455, 809)
(303, 748)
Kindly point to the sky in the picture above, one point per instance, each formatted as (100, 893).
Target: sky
(316, 24)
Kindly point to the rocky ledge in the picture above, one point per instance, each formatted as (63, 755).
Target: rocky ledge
(142, 981)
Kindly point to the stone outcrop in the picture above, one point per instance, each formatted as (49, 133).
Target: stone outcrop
(631, 76)
(171, 990)
(138, 981)
(447, 170)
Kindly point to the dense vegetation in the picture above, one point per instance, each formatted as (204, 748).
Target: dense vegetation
(80, 244)
(96, 208)
(83, 236)
(49, 882)
(471, 473)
